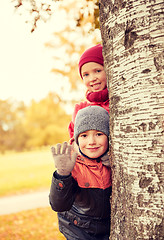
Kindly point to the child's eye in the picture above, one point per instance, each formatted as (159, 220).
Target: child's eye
(99, 134)
(85, 75)
(98, 70)
(83, 135)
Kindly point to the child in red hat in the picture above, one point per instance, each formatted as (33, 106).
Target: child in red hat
(91, 70)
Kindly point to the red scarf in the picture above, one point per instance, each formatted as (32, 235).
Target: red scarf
(100, 96)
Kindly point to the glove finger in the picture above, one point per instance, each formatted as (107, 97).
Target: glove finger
(69, 149)
(53, 151)
(64, 147)
(58, 148)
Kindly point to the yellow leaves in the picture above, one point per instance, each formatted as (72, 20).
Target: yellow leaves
(35, 224)
(76, 34)
(62, 72)
(41, 123)
(46, 122)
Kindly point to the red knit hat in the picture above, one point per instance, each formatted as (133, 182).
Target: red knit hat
(93, 54)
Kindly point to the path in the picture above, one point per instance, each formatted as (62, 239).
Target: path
(23, 202)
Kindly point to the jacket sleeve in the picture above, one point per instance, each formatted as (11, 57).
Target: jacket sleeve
(71, 129)
(62, 193)
(78, 106)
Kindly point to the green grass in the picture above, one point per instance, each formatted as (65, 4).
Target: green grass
(25, 171)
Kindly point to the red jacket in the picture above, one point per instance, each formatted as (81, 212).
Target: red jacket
(91, 174)
(96, 98)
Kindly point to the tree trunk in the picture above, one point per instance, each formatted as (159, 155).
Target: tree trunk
(132, 34)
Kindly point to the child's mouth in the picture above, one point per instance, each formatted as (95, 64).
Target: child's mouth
(96, 86)
(93, 149)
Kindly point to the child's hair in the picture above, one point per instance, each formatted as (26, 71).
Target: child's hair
(93, 54)
(91, 118)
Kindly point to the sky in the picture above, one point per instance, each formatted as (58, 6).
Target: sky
(25, 63)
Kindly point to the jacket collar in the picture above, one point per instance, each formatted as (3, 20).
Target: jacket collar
(100, 96)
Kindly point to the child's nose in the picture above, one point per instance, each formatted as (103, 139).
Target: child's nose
(93, 77)
(91, 140)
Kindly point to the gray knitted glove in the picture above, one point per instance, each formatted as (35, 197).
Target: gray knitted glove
(105, 160)
(63, 159)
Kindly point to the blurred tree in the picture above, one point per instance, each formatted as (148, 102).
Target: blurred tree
(42, 10)
(38, 10)
(40, 124)
(12, 134)
(46, 122)
(79, 31)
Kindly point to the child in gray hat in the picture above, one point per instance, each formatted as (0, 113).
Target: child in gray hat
(81, 185)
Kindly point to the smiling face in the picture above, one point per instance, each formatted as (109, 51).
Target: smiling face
(93, 143)
(94, 76)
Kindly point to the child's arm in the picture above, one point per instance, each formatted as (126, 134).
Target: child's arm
(78, 106)
(63, 187)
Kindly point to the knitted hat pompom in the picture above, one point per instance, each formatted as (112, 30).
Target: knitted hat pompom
(91, 118)
(93, 54)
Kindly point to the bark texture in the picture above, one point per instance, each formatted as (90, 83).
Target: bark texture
(132, 34)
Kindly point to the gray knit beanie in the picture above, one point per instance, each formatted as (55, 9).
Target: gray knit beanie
(91, 118)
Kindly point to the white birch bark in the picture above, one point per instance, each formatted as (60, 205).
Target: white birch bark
(132, 34)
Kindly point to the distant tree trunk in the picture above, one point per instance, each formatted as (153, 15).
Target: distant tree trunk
(132, 34)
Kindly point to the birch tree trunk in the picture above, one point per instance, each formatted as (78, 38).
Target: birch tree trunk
(132, 34)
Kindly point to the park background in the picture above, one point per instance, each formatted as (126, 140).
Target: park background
(39, 87)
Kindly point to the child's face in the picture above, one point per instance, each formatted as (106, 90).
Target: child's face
(93, 143)
(94, 76)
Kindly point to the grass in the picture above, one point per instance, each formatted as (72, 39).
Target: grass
(25, 172)
(21, 173)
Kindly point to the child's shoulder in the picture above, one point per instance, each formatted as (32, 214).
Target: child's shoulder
(81, 105)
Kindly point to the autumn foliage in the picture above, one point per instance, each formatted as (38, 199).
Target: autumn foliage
(34, 224)
(41, 123)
